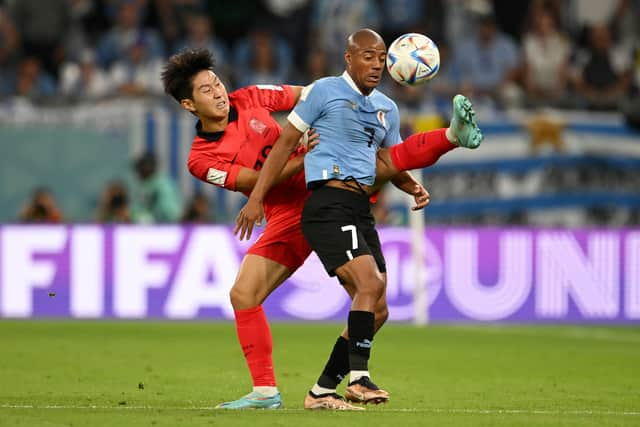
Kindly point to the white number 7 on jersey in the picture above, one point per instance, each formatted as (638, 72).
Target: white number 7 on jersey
(354, 239)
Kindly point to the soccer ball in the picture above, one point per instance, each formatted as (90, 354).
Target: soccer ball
(413, 59)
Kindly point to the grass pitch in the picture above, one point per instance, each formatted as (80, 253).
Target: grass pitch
(75, 373)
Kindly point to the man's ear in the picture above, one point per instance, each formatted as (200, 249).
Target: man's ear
(188, 105)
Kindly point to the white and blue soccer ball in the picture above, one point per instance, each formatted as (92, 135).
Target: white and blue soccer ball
(413, 59)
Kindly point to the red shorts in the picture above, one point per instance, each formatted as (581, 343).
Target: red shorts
(282, 241)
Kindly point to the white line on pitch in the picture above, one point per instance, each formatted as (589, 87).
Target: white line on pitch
(417, 410)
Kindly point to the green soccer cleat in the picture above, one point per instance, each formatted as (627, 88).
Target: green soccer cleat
(463, 123)
(254, 400)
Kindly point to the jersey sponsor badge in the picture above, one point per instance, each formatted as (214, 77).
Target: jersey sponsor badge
(216, 176)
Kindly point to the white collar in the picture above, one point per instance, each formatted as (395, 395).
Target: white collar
(353, 85)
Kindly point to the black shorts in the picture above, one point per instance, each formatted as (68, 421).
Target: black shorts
(339, 226)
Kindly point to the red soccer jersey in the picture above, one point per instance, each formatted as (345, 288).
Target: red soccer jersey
(216, 157)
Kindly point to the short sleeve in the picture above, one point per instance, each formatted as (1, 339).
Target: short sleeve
(309, 107)
(213, 171)
(271, 97)
(393, 133)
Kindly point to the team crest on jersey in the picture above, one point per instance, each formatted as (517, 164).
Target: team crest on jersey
(257, 126)
(382, 118)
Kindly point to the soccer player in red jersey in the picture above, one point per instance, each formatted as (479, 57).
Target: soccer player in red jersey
(235, 133)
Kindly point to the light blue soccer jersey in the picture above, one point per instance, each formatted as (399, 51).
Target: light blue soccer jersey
(352, 127)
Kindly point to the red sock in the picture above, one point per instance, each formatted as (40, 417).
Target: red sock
(420, 150)
(255, 339)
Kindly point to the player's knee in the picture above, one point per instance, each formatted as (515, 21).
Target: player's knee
(381, 315)
(241, 298)
(374, 287)
(380, 287)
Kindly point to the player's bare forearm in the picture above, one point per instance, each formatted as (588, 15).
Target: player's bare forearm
(247, 178)
(276, 161)
(253, 211)
(407, 183)
(292, 167)
(385, 170)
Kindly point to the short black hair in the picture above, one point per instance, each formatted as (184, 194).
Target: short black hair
(178, 73)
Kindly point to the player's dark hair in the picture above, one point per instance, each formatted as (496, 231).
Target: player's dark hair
(178, 73)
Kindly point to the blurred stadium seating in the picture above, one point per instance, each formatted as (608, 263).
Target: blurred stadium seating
(76, 109)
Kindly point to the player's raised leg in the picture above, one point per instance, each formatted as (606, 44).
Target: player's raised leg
(257, 278)
(424, 149)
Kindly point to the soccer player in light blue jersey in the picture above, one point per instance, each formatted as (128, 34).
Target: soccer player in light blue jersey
(354, 121)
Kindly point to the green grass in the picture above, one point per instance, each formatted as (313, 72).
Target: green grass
(72, 373)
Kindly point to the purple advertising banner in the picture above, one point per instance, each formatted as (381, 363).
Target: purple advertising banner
(174, 272)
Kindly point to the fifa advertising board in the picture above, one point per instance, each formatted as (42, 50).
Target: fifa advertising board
(518, 275)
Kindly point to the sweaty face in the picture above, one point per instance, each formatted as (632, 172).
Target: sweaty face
(365, 65)
(210, 99)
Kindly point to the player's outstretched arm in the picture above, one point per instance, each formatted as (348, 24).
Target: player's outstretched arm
(252, 212)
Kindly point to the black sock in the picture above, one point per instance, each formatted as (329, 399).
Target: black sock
(361, 328)
(337, 366)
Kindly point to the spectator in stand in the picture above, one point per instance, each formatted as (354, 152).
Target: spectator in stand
(263, 58)
(460, 18)
(8, 51)
(410, 16)
(603, 76)
(316, 66)
(201, 34)
(585, 14)
(290, 19)
(171, 18)
(126, 32)
(30, 81)
(136, 73)
(546, 59)
(84, 80)
(77, 39)
(8, 39)
(41, 208)
(114, 204)
(333, 20)
(489, 64)
(197, 210)
(155, 195)
(43, 27)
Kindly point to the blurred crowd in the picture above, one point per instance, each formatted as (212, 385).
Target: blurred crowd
(152, 197)
(525, 53)
(574, 54)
